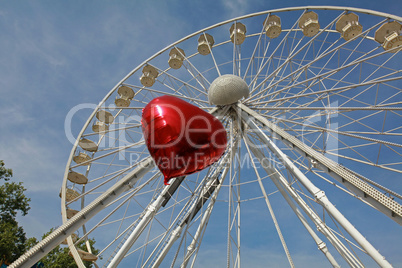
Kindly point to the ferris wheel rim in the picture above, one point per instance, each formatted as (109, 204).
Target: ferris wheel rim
(190, 36)
(360, 10)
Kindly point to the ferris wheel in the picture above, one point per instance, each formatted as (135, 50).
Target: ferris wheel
(311, 102)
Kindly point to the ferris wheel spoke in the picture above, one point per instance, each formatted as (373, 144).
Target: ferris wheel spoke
(348, 148)
(317, 79)
(317, 99)
(119, 129)
(195, 244)
(337, 91)
(326, 111)
(363, 36)
(363, 58)
(323, 109)
(113, 152)
(180, 224)
(193, 71)
(270, 59)
(173, 88)
(355, 51)
(127, 197)
(345, 133)
(234, 200)
(331, 90)
(289, 192)
(175, 94)
(170, 81)
(291, 56)
(236, 59)
(319, 196)
(105, 180)
(271, 211)
(175, 78)
(212, 54)
(211, 188)
(148, 242)
(366, 161)
(148, 214)
(358, 121)
(382, 202)
(252, 57)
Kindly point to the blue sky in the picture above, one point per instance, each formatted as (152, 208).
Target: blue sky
(58, 54)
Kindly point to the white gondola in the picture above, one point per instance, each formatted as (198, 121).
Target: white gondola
(81, 157)
(88, 145)
(205, 43)
(272, 26)
(149, 74)
(77, 178)
(348, 25)
(86, 256)
(238, 33)
(71, 194)
(176, 57)
(71, 213)
(389, 35)
(105, 116)
(99, 126)
(126, 94)
(309, 23)
(74, 236)
(314, 120)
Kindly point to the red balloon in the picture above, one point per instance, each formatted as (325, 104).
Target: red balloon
(181, 138)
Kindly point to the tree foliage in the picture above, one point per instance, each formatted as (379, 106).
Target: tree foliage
(59, 257)
(12, 197)
(12, 201)
(5, 173)
(13, 241)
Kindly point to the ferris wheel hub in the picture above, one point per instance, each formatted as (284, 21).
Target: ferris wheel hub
(227, 89)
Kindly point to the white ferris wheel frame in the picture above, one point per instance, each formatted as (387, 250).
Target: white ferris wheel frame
(350, 179)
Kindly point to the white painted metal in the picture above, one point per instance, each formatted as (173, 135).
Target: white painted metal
(64, 231)
(225, 168)
(271, 211)
(382, 202)
(318, 194)
(282, 184)
(201, 227)
(212, 183)
(345, 176)
(149, 212)
(327, 52)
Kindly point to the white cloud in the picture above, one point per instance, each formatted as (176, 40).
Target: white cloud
(236, 8)
(34, 163)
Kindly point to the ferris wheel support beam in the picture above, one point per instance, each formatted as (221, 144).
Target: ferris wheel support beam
(146, 217)
(191, 249)
(151, 210)
(271, 211)
(282, 185)
(380, 201)
(319, 195)
(209, 189)
(60, 234)
(204, 221)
